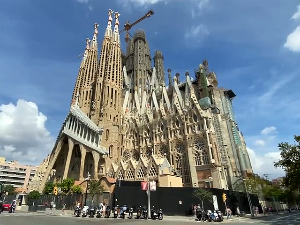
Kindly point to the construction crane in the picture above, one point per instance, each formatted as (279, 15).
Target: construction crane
(128, 26)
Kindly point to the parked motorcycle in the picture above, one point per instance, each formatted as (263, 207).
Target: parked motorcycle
(77, 211)
(107, 212)
(139, 212)
(123, 212)
(115, 211)
(160, 214)
(156, 214)
(145, 212)
(12, 208)
(130, 213)
(92, 211)
(220, 215)
(85, 211)
(99, 212)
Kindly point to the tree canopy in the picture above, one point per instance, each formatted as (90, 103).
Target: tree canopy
(9, 189)
(203, 195)
(48, 189)
(66, 185)
(95, 187)
(34, 195)
(76, 189)
(290, 162)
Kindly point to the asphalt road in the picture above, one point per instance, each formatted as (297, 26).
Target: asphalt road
(44, 219)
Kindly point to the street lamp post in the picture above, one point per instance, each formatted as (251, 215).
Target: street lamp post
(149, 199)
(87, 185)
(248, 197)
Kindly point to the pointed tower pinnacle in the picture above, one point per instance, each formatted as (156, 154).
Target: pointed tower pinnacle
(94, 44)
(108, 31)
(116, 28)
(87, 47)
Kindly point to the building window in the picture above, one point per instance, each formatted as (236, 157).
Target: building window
(130, 174)
(110, 151)
(200, 153)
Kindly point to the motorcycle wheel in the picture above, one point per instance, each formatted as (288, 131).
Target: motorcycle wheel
(160, 217)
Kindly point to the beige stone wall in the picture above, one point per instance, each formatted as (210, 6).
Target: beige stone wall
(170, 181)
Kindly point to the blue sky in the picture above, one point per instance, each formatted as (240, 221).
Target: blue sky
(252, 45)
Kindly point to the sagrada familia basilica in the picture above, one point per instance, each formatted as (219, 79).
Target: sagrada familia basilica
(127, 123)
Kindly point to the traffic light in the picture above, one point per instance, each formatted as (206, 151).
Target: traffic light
(55, 190)
(224, 197)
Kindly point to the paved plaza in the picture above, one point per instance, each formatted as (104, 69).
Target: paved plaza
(58, 218)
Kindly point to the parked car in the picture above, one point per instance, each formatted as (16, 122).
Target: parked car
(6, 206)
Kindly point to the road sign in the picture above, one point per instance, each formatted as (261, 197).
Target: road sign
(144, 185)
(152, 186)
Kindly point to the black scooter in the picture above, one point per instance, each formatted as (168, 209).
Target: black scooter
(77, 211)
(92, 211)
(107, 212)
(130, 213)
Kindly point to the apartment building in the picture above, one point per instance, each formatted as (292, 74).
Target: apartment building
(13, 173)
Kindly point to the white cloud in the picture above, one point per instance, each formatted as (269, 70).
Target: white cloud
(260, 142)
(90, 8)
(82, 1)
(293, 40)
(200, 6)
(268, 130)
(196, 32)
(23, 135)
(143, 2)
(297, 14)
(264, 163)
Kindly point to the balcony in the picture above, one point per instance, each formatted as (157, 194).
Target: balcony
(13, 170)
(12, 175)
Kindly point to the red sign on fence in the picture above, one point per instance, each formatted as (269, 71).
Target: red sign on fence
(144, 185)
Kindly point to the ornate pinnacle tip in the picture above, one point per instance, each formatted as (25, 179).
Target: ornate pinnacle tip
(96, 25)
(87, 41)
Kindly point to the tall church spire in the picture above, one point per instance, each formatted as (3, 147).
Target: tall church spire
(95, 41)
(116, 35)
(108, 31)
(103, 66)
(83, 91)
(110, 72)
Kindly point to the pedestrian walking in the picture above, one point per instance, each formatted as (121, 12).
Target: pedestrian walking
(238, 213)
(228, 212)
(63, 207)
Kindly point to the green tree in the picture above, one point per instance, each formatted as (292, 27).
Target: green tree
(76, 189)
(48, 189)
(273, 192)
(95, 188)
(290, 162)
(34, 195)
(203, 195)
(66, 185)
(9, 189)
(254, 184)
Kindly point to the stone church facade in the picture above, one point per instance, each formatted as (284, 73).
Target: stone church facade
(126, 122)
